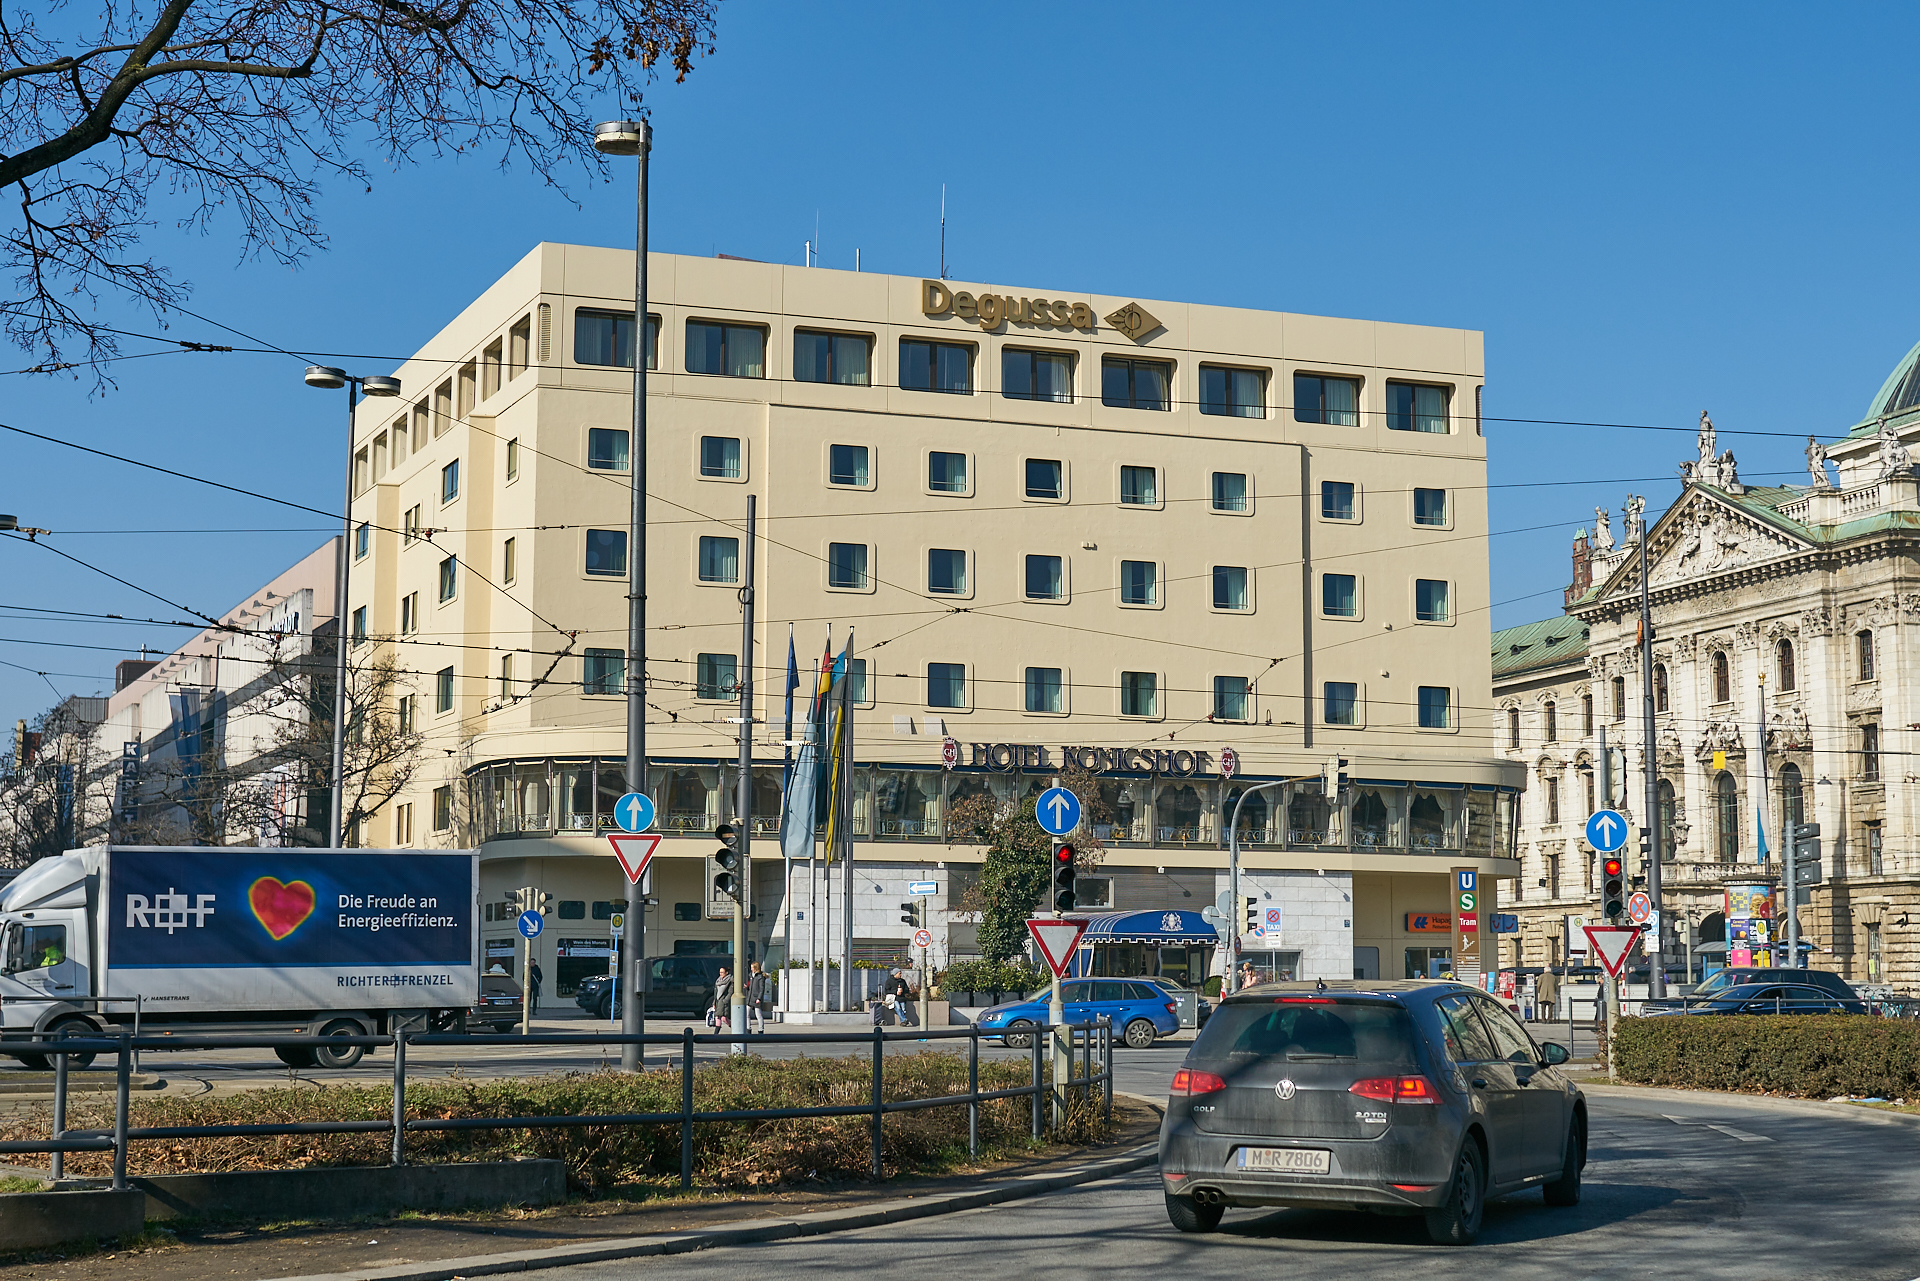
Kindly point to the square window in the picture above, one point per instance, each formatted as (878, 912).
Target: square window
(1430, 600)
(450, 482)
(1036, 375)
(513, 459)
(491, 360)
(1139, 582)
(1340, 703)
(947, 571)
(1230, 587)
(1229, 491)
(443, 690)
(607, 552)
(947, 473)
(1336, 500)
(410, 526)
(720, 456)
(1413, 407)
(946, 684)
(469, 387)
(1339, 596)
(714, 676)
(1436, 707)
(606, 449)
(1046, 579)
(719, 559)
(1134, 384)
(399, 434)
(443, 808)
(1139, 486)
(1044, 690)
(936, 366)
(1333, 401)
(1139, 694)
(1045, 479)
(1232, 698)
(509, 566)
(409, 613)
(689, 911)
(362, 540)
(361, 476)
(1240, 393)
(442, 410)
(847, 566)
(857, 691)
(360, 625)
(449, 579)
(731, 351)
(831, 358)
(606, 338)
(1429, 506)
(848, 465)
(506, 676)
(604, 672)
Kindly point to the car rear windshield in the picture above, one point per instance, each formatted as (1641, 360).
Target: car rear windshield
(498, 985)
(1368, 1031)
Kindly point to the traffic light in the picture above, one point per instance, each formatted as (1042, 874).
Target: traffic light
(726, 864)
(1333, 777)
(1065, 899)
(1613, 892)
(910, 914)
(1806, 854)
(531, 898)
(1249, 914)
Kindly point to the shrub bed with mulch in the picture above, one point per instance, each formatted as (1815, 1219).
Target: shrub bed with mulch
(598, 1158)
(1810, 1056)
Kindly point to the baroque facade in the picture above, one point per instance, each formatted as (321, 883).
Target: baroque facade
(1783, 620)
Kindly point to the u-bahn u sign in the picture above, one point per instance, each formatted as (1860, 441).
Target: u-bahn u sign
(1095, 760)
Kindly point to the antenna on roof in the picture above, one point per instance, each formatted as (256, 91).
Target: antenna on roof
(943, 232)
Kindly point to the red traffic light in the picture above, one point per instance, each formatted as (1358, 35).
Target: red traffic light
(1063, 854)
(1612, 866)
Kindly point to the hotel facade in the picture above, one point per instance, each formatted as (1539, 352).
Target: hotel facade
(1187, 548)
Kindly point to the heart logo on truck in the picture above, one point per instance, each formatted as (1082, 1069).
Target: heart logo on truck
(280, 907)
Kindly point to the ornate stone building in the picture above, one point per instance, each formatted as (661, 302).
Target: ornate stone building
(1796, 608)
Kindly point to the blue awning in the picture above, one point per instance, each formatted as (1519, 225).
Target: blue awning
(1170, 928)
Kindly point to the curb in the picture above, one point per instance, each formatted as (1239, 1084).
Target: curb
(748, 1233)
(42, 1083)
(1766, 1102)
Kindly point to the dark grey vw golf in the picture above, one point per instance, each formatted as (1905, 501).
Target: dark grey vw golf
(1413, 1097)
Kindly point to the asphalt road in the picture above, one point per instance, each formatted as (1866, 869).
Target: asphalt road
(1708, 1188)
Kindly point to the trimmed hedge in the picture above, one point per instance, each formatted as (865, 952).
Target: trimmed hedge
(1811, 1056)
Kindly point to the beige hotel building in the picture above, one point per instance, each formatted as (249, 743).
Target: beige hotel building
(1137, 531)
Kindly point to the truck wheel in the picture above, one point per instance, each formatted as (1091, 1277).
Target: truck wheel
(340, 1056)
(297, 1056)
(76, 1028)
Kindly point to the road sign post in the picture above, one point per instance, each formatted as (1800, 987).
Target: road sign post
(1055, 938)
(1058, 811)
(1611, 944)
(634, 850)
(531, 921)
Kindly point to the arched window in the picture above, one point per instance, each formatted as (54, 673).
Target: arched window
(1663, 794)
(1722, 678)
(1553, 722)
(1513, 728)
(1726, 817)
(1659, 687)
(1793, 803)
(1863, 645)
(1783, 660)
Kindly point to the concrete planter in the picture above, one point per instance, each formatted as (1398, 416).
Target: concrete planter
(343, 1192)
(29, 1220)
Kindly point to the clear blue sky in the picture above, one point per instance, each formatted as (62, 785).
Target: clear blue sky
(1650, 210)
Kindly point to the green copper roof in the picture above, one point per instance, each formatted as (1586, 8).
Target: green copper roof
(1899, 394)
(1547, 643)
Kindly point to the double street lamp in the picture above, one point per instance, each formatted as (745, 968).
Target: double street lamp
(326, 376)
(635, 138)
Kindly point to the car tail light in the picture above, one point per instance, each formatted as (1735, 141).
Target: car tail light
(1304, 1000)
(1172, 1008)
(1396, 1089)
(1188, 1081)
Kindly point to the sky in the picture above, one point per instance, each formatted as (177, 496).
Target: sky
(1650, 210)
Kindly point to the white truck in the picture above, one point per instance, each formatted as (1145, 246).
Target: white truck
(197, 939)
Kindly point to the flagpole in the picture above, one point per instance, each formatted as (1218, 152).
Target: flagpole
(842, 837)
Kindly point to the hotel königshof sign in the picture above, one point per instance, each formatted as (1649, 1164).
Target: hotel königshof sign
(1095, 760)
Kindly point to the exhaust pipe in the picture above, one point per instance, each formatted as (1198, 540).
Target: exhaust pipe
(1209, 1196)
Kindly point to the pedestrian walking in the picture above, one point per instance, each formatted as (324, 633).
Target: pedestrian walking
(759, 997)
(1248, 977)
(1546, 996)
(534, 976)
(901, 991)
(720, 1013)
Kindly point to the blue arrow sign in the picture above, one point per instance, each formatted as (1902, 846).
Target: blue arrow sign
(1607, 830)
(531, 923)
(921, 889)
(634, 812)
(1058, 811)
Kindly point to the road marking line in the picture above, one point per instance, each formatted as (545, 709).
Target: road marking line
(1728, 1130)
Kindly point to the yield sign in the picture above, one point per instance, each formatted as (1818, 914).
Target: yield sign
(634, 850)
(1056, 937)
(1611, 943)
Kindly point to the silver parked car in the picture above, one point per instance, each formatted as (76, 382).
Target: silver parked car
(1410, 1097)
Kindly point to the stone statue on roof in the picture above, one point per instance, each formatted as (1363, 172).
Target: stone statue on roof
(1894, 458)
(1729, 472)
(1706, 443)
(1602, 530)
(1817, 464)
(1636, 522)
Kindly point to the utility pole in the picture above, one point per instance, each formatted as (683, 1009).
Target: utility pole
(743, 676)
(1657, 954)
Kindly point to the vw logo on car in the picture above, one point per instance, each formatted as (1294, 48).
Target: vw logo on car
(1283, 1088)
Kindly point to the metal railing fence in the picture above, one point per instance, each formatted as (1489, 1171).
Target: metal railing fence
(1093, 1041)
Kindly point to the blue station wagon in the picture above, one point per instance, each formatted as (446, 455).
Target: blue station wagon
(1140, 1011)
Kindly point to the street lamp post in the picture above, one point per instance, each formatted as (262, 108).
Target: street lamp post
(635, 138)
(326, 376)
